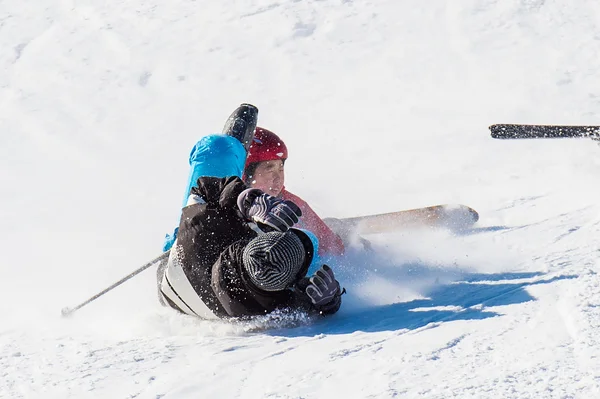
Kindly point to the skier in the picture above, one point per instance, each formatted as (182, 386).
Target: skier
(264, 170)
(236, 253)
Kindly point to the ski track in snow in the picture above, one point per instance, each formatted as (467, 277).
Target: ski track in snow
(100, 103)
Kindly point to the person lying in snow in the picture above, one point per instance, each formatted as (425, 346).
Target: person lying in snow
(264, 170)
(236, 253)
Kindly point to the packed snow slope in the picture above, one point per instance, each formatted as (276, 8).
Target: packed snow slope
(384, 105)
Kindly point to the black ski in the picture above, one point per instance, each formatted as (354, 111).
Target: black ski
(241, 124)
(513, 131)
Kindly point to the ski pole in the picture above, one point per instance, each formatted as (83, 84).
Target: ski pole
(161, 258)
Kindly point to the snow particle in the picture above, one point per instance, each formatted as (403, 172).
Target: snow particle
(144, 78)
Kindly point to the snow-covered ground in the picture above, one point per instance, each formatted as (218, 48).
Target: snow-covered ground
(384, 106)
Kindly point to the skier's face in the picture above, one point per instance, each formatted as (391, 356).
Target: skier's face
(269, 177)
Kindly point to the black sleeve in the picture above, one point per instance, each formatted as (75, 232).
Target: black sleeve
(221, 191)
(227, 283)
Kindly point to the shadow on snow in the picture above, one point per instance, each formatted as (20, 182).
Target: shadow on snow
(468, 299)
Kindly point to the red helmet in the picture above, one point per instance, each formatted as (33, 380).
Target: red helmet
(266, 146)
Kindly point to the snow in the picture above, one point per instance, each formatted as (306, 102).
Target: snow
(384, 106)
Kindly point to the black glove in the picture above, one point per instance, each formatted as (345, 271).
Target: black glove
(266, 209)
(323, 290)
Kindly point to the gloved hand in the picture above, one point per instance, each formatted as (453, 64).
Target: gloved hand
(323, 290)
(266, 209)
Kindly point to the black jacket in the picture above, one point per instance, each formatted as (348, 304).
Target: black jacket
(212, 237)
